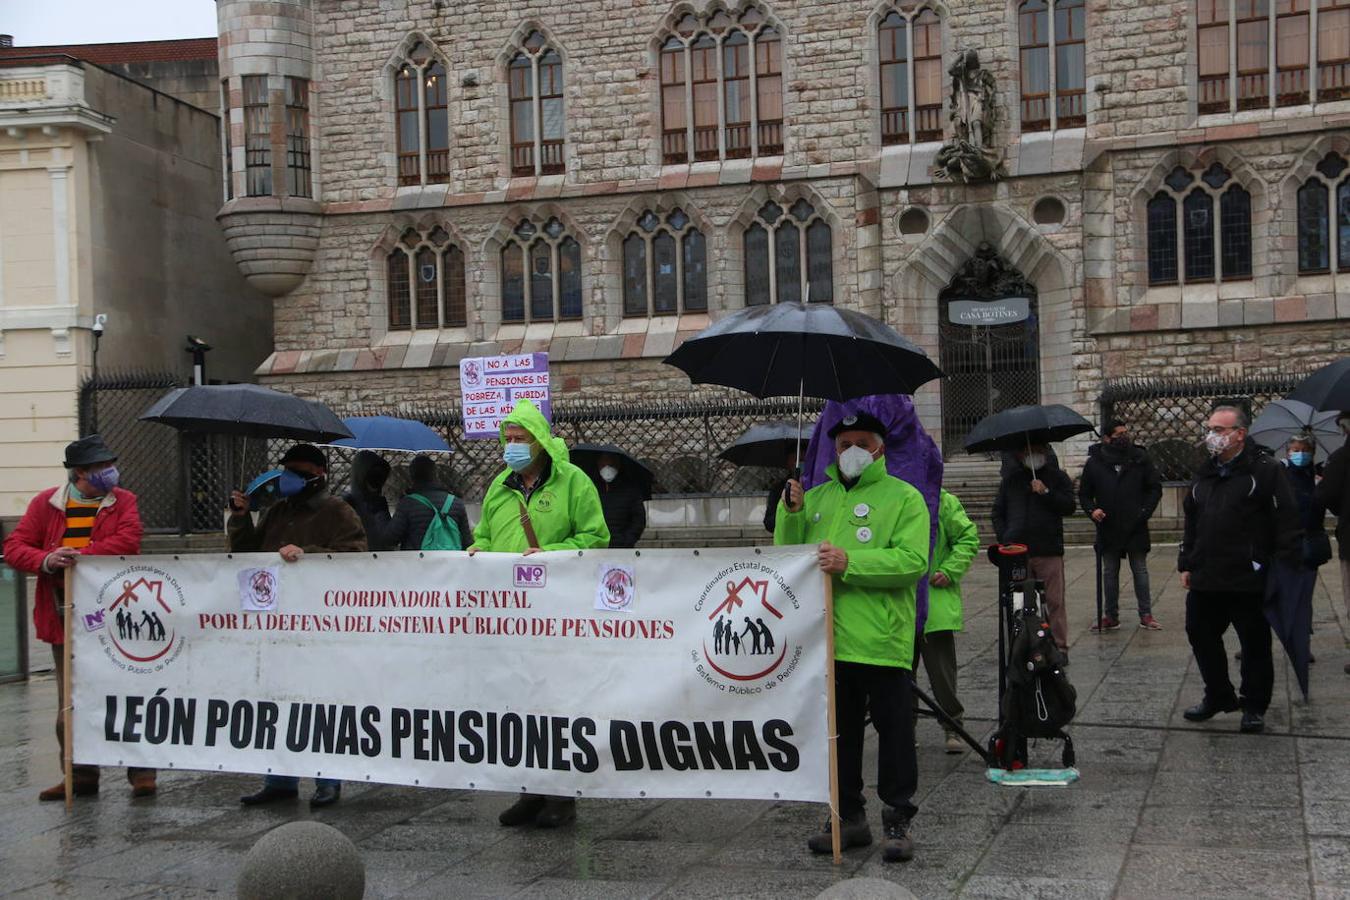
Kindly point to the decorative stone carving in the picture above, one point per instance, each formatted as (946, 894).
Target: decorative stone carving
(970, 154)
(985, 276)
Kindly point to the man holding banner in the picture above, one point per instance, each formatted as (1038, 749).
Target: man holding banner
(873, 532)
(540, 501)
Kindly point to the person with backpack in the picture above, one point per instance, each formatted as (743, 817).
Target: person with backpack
(958, 540)
(428, 516)
(540, 501)
(1119, 490)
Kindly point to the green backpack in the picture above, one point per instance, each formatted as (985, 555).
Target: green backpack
(442, 533)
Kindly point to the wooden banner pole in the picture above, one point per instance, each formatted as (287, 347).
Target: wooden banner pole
(832, 725)
(67, 702)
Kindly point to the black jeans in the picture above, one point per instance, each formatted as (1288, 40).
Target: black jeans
(885, 691)
(1208, 615)
(1111, 582)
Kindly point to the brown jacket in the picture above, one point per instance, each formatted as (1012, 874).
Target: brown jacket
(317, 524)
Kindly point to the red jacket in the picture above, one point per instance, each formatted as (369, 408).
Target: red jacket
(117, 532)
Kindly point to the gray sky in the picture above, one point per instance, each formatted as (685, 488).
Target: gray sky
(94, 21)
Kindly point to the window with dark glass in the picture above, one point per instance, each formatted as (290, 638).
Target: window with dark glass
(1324, 210)
(664, 266)
(788, 255)
(257, 137)
(422, 118)
(721, 88)
(1207, 249)
(1162, 239)
(297, 138)
(426, 282)
(541, 274)
(1052, 96)
(535, 94)
(910, 40)
(436, 113)
(226, 128)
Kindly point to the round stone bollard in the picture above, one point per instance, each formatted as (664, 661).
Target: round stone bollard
(303, 861)
(865, 889)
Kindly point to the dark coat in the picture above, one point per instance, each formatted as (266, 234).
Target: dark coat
(1334, 494)
(1124, 484)
(407, 527)
(1239, 519)
(369, 473)
(315, 521)
(625, 514)
(1021, 516)
(1311, 514)
(771, 506)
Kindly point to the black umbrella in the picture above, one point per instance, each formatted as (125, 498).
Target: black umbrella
(587, 458)
(813, 349)
(1289, 611)
(766, 444)
(1326, 389)
(1016, 428)
(248, 410)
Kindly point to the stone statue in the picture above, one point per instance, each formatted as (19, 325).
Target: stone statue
(970, 154)
(985, 276)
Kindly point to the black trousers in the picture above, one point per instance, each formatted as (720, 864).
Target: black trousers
(1208, 615)
(885, 692)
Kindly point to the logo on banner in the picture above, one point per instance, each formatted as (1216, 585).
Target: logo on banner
(139, 608)
(617, 588)
(469, 371)
(258, 589)
(530, 575)
(750, 636)
(93, 621)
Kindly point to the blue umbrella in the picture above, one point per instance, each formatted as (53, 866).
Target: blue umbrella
(389, 433)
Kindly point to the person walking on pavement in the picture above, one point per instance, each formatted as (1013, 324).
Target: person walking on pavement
(1033, 498)
(872, 532)
(1333, 492)
(419, 507)
(958, 540)
(1240, 516)
(1119, 490)
(540, 501)
(88, 515)
(365, 494)
(621, 500)
(311, 521)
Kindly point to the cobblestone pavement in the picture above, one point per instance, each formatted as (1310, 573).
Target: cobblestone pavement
(1164, 808)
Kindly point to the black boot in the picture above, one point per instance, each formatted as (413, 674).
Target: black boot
(522, 811)
(557, 811)
(1208, 709)
(896, 844)
(325, 795)
(1252, 723)
(852, 833)
(268, 794)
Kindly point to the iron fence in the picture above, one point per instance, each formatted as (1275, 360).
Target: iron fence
(1167, 416)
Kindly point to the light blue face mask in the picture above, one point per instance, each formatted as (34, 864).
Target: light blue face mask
(1300, 458)
(517, 456)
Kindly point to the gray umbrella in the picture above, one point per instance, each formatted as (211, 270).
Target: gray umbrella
(1282, 420)
(247, 410)
(766, 444)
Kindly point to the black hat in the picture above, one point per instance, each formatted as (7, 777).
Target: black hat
(860, 421)
(305, 453)
(88, 451)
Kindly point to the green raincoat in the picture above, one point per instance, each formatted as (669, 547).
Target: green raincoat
(565, 509)
(958, 540)
(882, 524)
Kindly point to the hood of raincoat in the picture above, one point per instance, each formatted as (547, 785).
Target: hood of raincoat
(527, 416)
(366, 464)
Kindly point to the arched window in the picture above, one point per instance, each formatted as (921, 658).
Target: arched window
(1051, 38)
(422, 118)
(665, 266)
(910, 40)
(788, 255)
(1209, 251)
(1324, 211)
(535, 79)
(721, 88)
(426, 282)
(541, 274)
(1291, 30)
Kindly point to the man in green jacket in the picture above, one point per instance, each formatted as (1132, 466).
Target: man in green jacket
(958, 540)
(872, 530)
(540, 501)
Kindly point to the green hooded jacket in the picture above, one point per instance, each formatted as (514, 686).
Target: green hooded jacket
(958, 540)
(565, 509)
(882, 524)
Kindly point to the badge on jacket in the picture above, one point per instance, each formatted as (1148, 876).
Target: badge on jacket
(864, 534)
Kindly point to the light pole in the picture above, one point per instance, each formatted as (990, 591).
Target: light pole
(198, 348)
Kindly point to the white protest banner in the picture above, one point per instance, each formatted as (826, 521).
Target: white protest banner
(490, 385)
(705, 678)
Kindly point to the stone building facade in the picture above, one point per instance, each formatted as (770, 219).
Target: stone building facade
(427, 132)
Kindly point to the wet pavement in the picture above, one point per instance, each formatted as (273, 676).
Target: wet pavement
(1164, 808)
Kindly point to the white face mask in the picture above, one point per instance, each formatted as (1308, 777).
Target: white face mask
(1034, 461)
(1216, 442)
(609, 473)
(853, 461)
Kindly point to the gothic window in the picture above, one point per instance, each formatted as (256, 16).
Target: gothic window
(1324, 212)
(665, 266)
(541, 274)
(421, 118)
(1212, 241)
(426, 282)
(535, 78)
(788, 256)
(911, 54)
(297, 138)
(257, 137)
(1237, 39)
(721, 88)
(1052, 40)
